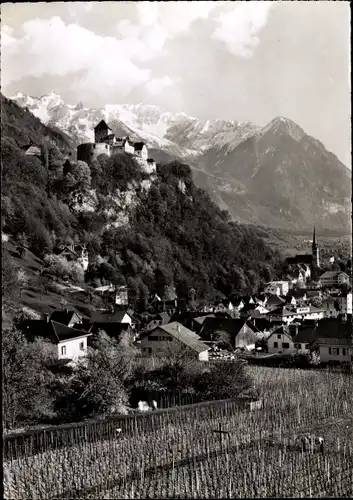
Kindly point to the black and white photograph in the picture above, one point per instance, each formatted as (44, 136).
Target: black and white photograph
(176, 257)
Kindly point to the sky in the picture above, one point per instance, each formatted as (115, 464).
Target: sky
(244, 61)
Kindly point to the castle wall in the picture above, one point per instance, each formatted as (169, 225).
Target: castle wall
(89, 152)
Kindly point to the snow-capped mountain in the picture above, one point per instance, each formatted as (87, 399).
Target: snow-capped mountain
(176, 133)
(274, 175)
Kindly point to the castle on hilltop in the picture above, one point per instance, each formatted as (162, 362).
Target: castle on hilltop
(106, 143)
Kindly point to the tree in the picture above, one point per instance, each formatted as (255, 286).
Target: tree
(82, 175)
(97, 385)
(222, 380)
(25, 380)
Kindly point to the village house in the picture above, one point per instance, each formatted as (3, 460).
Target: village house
(287, 314)
(334, 339)
(71, 342)
(292, 339)
(277, 287)
(107, 316)
(237, 333)
(334, 278)
(330, 306)
(166, 338)
(159, 319)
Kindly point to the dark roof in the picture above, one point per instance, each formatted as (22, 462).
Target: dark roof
(112, 329)
(63, 317)
(63, 332)
(229, 325)
(101, 125)
(298, 294)
(274, 300)
(301, 258)
(108, 316)
(262, 324)
(305, 335)
(138, 145)
(334, 328)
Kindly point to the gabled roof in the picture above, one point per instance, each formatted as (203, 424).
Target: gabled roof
(334, 328)
(63, 317)
(63, 333)
(108, 316)
(275, 300)
(184, 335)
(112, 329)
(229, 325)
(201, 319)
(305, 335)
(138, 146)
(102, 125)
(262, 324)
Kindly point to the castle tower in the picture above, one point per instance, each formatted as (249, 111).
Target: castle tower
(101, 131)
(315, 251)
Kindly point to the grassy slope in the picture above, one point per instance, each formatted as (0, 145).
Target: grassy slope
(37, 296)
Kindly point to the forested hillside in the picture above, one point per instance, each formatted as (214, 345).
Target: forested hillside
(170, 233)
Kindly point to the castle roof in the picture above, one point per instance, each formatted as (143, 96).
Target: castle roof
(102, 125)
(138, 146)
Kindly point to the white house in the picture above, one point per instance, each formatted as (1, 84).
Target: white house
(280, 342)
(290, 341)
(334, 278)
(277, 287)
(165, 338)
(71, 343)
(290, 313)
(338, 350)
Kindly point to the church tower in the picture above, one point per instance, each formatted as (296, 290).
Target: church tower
(315, 251)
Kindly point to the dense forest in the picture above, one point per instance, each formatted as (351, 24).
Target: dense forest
(176, 238)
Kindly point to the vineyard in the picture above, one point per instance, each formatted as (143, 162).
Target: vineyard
(209, 451)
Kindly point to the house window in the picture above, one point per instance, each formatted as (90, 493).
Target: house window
(82, 346)
(307, 346)
(285, 345)
(153, 337)
(63, 350)
(297, 346)
(343, 351)
(279, 335)
(275, 345)
(333, 351)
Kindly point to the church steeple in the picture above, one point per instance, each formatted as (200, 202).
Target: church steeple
(315, 250)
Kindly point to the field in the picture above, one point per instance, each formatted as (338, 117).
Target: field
(182, 455)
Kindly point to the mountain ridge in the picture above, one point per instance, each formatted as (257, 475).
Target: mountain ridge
(275, 175)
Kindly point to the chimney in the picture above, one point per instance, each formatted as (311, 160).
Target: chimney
(46, 316)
